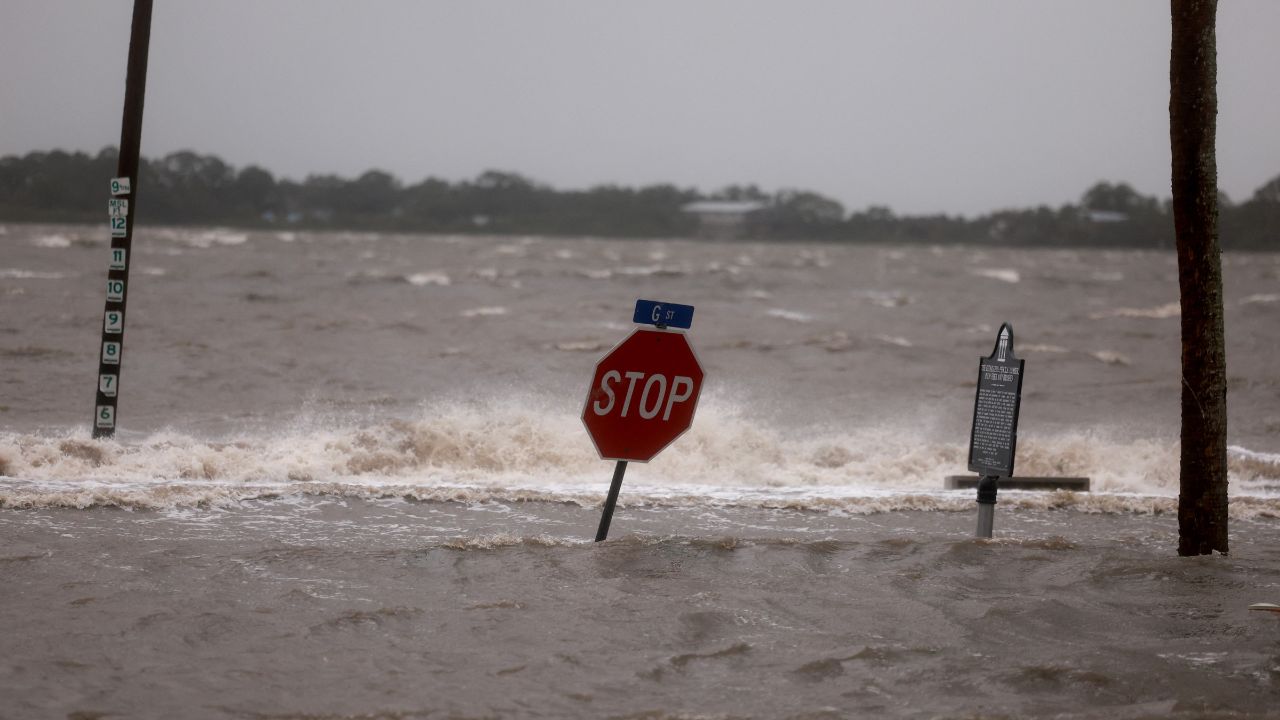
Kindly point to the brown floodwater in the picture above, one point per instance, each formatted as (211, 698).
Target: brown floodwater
(351, 482)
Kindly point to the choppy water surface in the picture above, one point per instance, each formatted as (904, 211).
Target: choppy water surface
(351, 482)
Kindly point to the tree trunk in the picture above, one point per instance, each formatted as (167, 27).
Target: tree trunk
(1193, 109)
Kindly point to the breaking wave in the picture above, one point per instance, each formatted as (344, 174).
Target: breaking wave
(521, 451)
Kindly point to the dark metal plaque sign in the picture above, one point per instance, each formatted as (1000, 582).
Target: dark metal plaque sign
(994, 438)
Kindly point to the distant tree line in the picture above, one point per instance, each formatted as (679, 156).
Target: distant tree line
(186, 188)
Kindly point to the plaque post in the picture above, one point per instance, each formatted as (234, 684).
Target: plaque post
(993, 441)
(987, 487)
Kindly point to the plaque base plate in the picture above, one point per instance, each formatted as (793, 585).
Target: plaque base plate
(968, 482)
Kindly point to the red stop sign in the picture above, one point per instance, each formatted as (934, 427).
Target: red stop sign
(643, 395)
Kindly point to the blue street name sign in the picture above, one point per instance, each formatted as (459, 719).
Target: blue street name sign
(652, 312)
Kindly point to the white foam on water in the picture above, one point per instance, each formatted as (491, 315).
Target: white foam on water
(51, 241)
(1160, 312)
(434, 277)
(209, 238)
(484, 312)
(580, 345)
(1008, 275)
(512, 250)
(1197, 660)
(1261, 298)
(791, 315)
(1111, 357)
(1245, 453)
(20, 274)
(894, 340)
(529, 450)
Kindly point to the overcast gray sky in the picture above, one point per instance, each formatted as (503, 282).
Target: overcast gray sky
(958, 106)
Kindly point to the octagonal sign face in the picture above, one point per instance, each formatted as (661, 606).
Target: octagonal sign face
(643, 395)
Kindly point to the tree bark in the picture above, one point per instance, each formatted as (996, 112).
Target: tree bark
(1193, 109)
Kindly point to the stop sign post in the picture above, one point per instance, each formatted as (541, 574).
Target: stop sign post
(643, 395)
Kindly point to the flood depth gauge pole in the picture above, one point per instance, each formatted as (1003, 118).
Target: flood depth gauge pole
(123, 193)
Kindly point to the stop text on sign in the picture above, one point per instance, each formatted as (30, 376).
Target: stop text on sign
(655, 387)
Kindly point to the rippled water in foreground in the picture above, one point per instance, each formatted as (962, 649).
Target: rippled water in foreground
(323, 608)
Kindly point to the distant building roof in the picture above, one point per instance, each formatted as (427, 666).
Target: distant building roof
(723, 207)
